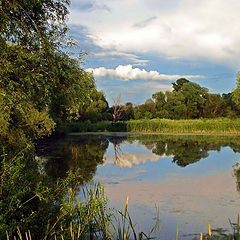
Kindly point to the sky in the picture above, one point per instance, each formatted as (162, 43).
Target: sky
(138, 47)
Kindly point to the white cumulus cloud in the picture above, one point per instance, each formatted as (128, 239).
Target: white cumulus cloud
(127, 72)
(206, 29)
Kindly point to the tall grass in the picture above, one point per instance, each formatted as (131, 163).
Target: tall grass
(91, 219)
(196, 126)
(222, 126)
(87, 219)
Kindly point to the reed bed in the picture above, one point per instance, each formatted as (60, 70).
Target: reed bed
(193, 126)
(90, 218)
(223, 126)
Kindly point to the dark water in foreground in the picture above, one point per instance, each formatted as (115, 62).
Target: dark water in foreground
(188, 181)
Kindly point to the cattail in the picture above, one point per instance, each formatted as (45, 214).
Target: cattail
(177, 232)
(209, 230)
(126, 204)
(201, 236)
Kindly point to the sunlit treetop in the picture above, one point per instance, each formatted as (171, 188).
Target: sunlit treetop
(33, 23)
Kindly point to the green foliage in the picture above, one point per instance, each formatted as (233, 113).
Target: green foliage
(96, 109)
(179, 84)
(34, 24)
(41, 87)
(236, 92)
(214, 106)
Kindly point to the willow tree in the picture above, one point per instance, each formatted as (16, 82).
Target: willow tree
(41, 87)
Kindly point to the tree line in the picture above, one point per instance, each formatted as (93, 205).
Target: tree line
(187, 100)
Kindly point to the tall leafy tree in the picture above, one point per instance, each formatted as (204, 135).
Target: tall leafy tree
(179, 83)
(34, 24)
(194, 99)
(214, 106)
(41, 86)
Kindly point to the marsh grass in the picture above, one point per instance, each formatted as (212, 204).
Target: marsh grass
(196, 126)
(223, 126)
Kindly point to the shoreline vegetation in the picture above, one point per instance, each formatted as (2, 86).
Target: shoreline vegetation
(91, 218)
(217, 126)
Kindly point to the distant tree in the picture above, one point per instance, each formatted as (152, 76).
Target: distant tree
(175, 105)
(97, 108)
(128, 112)
(150, 106)
(179, 83)
(185, 101)
(232, 110)
(117, 109)
(214, 106)
(194, 99)
(146, 110)
(160, 100)
(236, 92)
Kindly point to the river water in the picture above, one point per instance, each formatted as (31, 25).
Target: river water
(184, 181)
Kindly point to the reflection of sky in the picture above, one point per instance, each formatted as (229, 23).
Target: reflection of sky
(189, 196)
(156, 170)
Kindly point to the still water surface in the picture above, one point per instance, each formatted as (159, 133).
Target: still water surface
(188, 181)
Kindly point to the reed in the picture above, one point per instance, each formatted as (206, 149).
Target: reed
(197, 126)
(223, 126)
(87, 219)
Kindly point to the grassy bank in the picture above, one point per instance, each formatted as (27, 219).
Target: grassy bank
(223, 126)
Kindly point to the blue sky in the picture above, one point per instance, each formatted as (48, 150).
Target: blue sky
(138, 47)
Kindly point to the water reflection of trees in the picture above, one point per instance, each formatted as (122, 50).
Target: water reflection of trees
(187, 150)
(183, 152)
(86, 152)
(82, 153)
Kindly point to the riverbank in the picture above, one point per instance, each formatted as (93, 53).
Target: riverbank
(218, 126)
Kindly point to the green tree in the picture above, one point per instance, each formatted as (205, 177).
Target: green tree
(236, 92)
(175, 105)
(97, 108)
(232, 110)
(160, 100)
(179, 83)
(34, 24)
(128, 112)
(41, 86)
(194, 99)
(214, 106)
